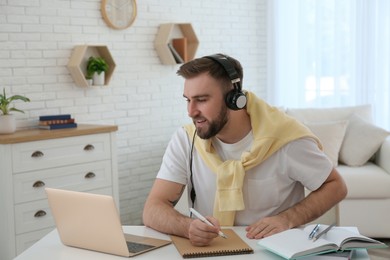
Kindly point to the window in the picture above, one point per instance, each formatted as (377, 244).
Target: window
(325, 53)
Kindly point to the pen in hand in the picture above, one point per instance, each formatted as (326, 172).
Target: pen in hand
(203, 219)
(323, 232)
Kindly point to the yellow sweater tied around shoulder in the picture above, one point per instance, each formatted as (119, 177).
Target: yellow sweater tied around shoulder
(271, 129)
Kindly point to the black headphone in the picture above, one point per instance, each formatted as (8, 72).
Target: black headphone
(235, 99)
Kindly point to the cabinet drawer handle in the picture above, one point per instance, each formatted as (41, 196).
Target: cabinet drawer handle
(40, 213)
(37, 154)
(89, 147)
(38, 184)
(90, 175)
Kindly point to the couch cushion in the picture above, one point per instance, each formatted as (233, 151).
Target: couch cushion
(362, 140)
(310, 115)
(331, 135)
(366, 182)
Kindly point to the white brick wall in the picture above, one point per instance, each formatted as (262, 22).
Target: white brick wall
(144, 97)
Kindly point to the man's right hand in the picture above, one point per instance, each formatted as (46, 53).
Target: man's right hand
(201, 234)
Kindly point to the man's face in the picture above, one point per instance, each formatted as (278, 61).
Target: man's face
(206, 105)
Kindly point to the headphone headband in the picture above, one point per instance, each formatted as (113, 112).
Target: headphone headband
(228, 66)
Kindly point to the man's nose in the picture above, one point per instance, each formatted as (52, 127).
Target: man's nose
(192, 109)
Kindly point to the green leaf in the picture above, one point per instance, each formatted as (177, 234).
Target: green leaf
(6, 102)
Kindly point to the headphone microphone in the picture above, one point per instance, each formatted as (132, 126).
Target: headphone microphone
(235, 99)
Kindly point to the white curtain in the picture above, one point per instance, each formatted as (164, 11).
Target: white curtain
(326, 53)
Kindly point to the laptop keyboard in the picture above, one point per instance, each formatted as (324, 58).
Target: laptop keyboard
(136, 247)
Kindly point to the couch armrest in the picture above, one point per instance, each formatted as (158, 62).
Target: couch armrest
(383, 156)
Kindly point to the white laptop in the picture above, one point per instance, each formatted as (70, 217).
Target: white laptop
(91, 221)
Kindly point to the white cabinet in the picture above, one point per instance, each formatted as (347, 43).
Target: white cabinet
(80, 159)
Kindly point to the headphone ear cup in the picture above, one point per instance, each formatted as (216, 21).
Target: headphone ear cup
(235, 100)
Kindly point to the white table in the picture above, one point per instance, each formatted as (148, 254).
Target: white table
(50, 247)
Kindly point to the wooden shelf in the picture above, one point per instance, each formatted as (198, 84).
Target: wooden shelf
(78, 61)
(36, 134)
(170, 31)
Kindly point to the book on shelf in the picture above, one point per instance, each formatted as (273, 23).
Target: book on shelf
(180, 45)
(57, 126)
(294, 243)
(55, 117)
(233, 245)
(175, 54)
(57, 121)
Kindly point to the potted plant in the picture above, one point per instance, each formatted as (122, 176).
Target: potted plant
(7, 121)
(96, 68)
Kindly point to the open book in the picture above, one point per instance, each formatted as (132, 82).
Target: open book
(295, 243)
(232, 245)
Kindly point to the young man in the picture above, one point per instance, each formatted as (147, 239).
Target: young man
(245, 162)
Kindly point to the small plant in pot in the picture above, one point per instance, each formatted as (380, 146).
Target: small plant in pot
(96, 69)
(7, 121)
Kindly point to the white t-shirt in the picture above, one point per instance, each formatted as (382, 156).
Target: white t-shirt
(269, 188)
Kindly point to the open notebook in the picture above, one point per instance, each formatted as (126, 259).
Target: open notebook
(91, 221)
(294, 243)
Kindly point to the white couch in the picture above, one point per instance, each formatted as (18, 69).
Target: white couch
(363, 152)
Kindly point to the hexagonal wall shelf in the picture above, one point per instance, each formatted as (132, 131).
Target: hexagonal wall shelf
(77, 64)
(170, 31)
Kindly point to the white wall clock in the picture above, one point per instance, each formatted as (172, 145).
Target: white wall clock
(119, 14)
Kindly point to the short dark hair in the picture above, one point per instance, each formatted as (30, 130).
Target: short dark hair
(198, 66)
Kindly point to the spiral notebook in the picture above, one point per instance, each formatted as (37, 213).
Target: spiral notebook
(233, 245)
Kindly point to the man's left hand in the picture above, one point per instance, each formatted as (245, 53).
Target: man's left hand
(266, 227)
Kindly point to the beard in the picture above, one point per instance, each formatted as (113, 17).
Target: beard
(215, 126)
